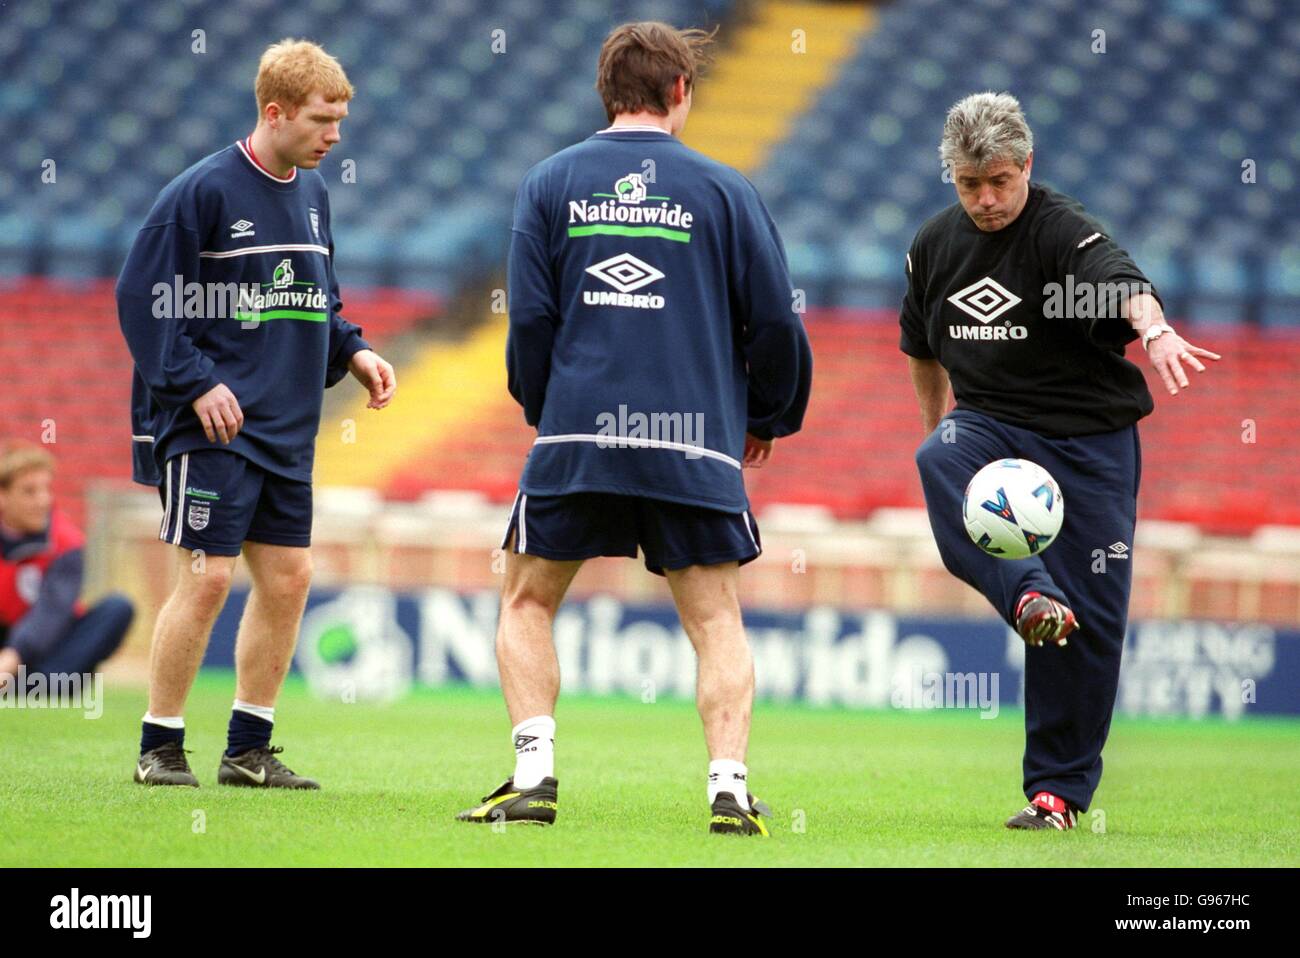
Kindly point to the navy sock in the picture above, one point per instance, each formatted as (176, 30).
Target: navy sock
(152, 736)
(247, 731)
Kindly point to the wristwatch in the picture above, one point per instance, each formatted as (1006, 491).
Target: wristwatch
(1155, 332)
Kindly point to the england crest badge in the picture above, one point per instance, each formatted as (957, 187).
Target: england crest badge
(198, 516)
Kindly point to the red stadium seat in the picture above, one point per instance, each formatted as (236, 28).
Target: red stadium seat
(70, 367)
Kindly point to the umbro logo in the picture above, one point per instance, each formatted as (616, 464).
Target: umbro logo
(241, 228)
(986, 299)
(1118, 550)
(1088, 239)
(625, 272)
(522, 741)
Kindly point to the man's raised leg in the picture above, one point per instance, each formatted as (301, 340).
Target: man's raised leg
(963, 444)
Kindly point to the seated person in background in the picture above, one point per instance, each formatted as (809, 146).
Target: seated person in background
(43, 625)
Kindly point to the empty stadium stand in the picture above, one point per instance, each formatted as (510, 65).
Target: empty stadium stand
(1153, 142)
(1145, 112)
(443, 126)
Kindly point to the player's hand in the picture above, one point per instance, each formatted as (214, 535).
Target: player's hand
(9, 663)
(757, 452)
(376, 375)
(218, 410)
(1168, 352)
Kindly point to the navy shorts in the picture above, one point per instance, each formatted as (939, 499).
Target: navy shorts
(584, 525)
(216, 500)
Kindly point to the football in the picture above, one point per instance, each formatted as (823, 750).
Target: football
(1013, 509)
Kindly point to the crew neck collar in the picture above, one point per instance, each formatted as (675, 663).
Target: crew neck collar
(634, 128)
(246, 148)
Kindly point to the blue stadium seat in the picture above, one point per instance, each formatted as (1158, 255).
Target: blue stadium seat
(1150, 136)
(441, 130)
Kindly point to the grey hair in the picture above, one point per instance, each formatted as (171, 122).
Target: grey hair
(984, 128)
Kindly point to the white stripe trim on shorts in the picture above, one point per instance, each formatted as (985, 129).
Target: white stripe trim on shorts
(505, 539)
(180, 497)
(750, 530)
(615, 442)
(167, 502)
(523, 529)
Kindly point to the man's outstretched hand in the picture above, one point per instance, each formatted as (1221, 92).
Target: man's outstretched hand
(1168, 353)
(376, 375)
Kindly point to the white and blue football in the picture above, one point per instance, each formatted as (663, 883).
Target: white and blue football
(1013, 509)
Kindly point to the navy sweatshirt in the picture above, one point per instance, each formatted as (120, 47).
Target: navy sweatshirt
(231, 280)
(652, 322)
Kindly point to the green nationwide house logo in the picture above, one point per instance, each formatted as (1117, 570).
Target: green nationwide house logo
(630, 211)
(286, 298)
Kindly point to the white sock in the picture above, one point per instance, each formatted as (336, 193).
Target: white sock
(264, 712)
(166, 721)
(534, 741)
(728, 775)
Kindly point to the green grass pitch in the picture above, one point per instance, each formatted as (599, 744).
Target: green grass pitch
(847, 788)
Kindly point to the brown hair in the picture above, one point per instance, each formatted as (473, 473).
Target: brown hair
(291, 70)
(640, 62)
(18, 456)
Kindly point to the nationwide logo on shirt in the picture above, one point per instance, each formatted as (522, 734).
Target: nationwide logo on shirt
(285, 297)
(622, 213)
(986, 300)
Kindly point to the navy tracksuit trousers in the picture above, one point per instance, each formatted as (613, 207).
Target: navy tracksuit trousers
(93, 638)
(1069, 692)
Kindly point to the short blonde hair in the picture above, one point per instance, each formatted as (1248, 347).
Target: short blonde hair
(18, 457)
(291, 70)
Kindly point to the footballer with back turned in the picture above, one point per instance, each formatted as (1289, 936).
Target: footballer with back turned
(646, 280)
(225, 408)
(1034, 381)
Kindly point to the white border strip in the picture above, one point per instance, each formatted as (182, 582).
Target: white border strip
(261, 169)
(167, 504)
(180, 498)
(616, 442)
(505, 539)
(279, 247)
(523, 529)
(635, 128)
